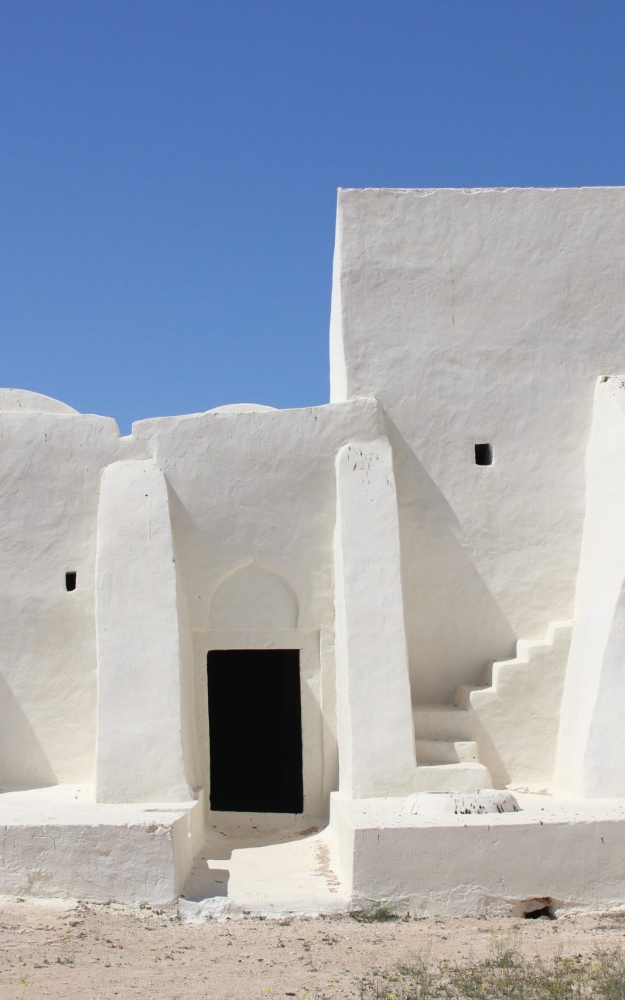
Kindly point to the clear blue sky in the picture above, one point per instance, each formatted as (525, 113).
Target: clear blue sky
(168, 170)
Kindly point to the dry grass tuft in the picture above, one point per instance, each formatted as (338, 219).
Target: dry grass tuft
(506, 976)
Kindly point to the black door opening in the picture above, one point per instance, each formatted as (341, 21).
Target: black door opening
(255, 722)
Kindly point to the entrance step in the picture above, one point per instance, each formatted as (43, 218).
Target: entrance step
(447, 757)
(446, 752)
(452, 778)
(441, 722)
(292, 876)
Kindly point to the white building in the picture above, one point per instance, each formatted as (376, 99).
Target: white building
(252, 622)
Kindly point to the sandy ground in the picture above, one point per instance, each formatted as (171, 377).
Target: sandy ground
(60, 950)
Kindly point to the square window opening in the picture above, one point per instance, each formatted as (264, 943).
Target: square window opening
(483, 454)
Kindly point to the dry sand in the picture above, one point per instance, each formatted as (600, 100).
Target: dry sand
(68, 951)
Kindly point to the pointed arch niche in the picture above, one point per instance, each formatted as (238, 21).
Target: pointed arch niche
(253, 597)
(255, 611)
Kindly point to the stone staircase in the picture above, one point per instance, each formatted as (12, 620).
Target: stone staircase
(447, 736)
(447, 758)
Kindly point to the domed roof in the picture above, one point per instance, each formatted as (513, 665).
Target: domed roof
(241, 408)
(24, 401)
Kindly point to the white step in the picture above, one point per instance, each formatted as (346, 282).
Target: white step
(463, 694)
(446, 752)
(452, 778)
(441, 722)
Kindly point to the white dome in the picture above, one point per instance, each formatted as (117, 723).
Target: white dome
(241, 408)
(24, 401)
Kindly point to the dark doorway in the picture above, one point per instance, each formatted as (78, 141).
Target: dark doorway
(255, 720)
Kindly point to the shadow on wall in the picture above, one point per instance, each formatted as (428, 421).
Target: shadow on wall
(205, 882)
(23, 763)
(454, 625)
(604, 754)
(490, 755)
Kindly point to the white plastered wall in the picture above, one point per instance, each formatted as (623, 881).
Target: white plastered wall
(253, 511)
(249, 488)
(256, 486)
(591, 746)
(51, 462)
(481, 316)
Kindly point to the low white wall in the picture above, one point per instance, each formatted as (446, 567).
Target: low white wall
(101, 853)
(465, 865)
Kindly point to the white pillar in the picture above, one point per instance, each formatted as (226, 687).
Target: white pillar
(374, 710)
(591, 743)
(140, 754)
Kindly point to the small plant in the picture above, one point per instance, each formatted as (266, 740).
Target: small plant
(374, 913)
(505, 976)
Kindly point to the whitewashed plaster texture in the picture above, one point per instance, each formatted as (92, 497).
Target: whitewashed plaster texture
(591, 751)
(481, 316)
(140, 743)
(272, 501)
(570, 853)
(373, 689)
(252, 597)
(50, 469)
(58, 842)
(23, 401)
(276, 469)
(432, 599)
(241, 408)
(279, 474)
(515, 718)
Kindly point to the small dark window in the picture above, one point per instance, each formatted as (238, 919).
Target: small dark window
(483, 454)
(70, 581)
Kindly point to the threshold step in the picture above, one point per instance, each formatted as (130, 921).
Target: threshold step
(441, 722)
(452, 778)
(446, 752)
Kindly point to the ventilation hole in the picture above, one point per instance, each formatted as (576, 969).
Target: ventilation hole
(534, 909)
(544, 911)
(483, 454)
(70, 581)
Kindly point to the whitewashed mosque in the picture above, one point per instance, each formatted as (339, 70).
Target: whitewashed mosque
(372, 650)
